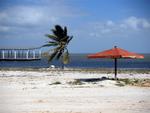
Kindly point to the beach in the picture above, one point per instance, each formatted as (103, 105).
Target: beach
(74, 56)
(63, 91)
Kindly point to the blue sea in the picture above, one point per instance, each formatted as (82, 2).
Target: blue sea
(81, 61)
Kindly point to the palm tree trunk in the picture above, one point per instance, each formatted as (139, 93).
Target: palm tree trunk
(62, 63)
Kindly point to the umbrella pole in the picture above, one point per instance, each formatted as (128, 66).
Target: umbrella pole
(115, 68)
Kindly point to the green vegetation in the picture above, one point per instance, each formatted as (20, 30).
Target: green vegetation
(135, 82)
(75, 82)
(55, 83)
(60, 40)
(127, 81)
(120, 83)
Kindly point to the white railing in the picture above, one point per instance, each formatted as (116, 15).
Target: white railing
(18, 54)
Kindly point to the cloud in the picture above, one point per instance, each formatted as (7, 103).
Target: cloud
(26, 15)
(20, 16)
(123, 27)
(110, 23)
(136, 23)
(4, 28)
(25, 24)
(37, 16)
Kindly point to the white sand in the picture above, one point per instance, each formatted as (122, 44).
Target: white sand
(33, 92)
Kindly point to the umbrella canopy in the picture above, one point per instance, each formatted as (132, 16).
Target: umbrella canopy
(115, 53)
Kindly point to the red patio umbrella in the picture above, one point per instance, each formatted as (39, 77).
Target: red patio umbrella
(115, 53)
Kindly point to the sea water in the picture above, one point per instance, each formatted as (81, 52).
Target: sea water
(80, 61)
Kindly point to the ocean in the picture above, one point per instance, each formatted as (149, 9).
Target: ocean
(81, 61)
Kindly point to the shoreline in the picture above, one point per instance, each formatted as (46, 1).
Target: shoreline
(93, 70)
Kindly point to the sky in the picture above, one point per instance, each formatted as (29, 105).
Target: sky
(95, 25)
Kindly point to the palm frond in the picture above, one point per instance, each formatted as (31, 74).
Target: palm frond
(70, 38)
(51, 57)
(59, 28)
(65, 31)
(64, 39)
(59, 55)
(66, 57)
(58, 31)
(52, 37)
(50, 44)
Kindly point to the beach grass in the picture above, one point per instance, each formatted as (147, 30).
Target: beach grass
(75, 82)
(55, 83)
(135, 82)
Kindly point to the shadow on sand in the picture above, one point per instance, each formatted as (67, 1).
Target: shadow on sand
(95, 79)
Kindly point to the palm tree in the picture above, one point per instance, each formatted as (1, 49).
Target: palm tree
(60, 40)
